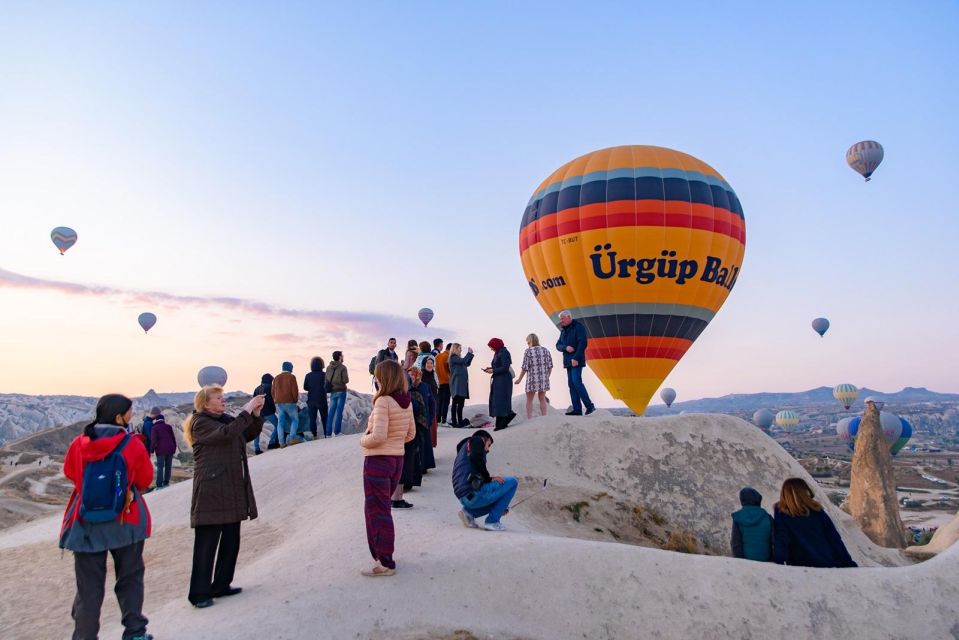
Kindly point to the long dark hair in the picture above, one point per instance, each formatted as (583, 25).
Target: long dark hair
(108, 408)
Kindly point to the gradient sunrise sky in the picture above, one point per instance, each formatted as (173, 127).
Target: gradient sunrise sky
(276, 182)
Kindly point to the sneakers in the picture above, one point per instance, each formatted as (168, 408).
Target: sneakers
(590, 410)
(574, 413)
(468, 521)
(401, 504)
(494, 526)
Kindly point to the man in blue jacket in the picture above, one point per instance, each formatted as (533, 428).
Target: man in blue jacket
(572, 343)
(480, 493)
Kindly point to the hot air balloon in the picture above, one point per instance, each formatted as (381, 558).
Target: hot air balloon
(668, 395)
(787, 419)
(211, 375)
(820, 326)
(903, 437)
(864, 157)
(425, 315)
(892, 428)
(63, 238)
(876, 401)
(846, 394)
(764, 419)
(146, 320)
(642, 245)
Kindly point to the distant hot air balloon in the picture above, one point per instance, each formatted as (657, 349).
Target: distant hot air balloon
(846, 394)
(764, 419)
(63, 238)
(642, 245)
(211, 375)
(820, 326)
(146, 320)
(892, 428)
(903, 437)
(876, 401)
(787, 419)
(864, 157)
(425, 314)
(668, 395)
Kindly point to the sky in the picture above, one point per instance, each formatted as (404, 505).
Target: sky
(276, 182)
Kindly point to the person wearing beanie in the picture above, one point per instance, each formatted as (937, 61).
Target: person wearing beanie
(163, 444)
(268, 413)
(286, 392)
(501, 384)
(752, 533)
(146, 428)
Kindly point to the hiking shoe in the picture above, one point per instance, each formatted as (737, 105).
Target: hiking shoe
(468, 521)
(401, 504)
(590, 410)
(494, 526)
(203, 604)
(574, 413)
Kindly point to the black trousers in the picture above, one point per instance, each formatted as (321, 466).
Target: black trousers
(91, 573)
(457, 408)
(444, 402)
(323, 408)
(213, 541)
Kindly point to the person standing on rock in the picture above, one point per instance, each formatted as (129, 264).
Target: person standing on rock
(286, 394)
(222, 490)
(268, 412)
(443, 377)
(390, 427)
(480, 493)
(752, 532)
(501, 384)
(409, 358)
(337, 377)
(389, 353)
(804, 534)
(315, 386)
(163, 444)
(459, 382)
(572, 343)
(537, 367)
(122, 536)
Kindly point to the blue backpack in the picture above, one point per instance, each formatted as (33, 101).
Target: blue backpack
(105, 486)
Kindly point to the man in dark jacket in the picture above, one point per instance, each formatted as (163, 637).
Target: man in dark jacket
(752, 533)
(315, 386)
(268, 412)
(478, 492)
(389, 353)
(572, 343)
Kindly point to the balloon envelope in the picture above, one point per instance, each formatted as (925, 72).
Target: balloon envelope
(846, 394)
(864, 157)
(211, 375)
(892, 427)
(903, 437)
(146, 320)
(820, 326)
(764, 419)
(668, 395)
(425, 315)
(63, 238)
(643, 245)
(787, 419)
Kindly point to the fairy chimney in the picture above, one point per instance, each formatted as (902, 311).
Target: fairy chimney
(872, 488)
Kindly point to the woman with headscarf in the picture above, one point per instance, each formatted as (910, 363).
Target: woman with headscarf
(122, 535)
(429, 379)
(501, 384)
(413, 452)
(222, 490)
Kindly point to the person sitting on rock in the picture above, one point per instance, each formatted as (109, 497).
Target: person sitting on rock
(804, 534)
(752, 534)
(478, 492)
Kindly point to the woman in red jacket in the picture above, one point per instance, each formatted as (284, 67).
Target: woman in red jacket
(123, 537)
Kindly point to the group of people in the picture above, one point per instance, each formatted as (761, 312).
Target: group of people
(799, 532)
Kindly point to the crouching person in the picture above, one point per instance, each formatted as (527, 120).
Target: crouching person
(109, 469)
(752, 533)
(478, 492)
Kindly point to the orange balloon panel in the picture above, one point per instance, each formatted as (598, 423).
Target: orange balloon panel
(643, 245)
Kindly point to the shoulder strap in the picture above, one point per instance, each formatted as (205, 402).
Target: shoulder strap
(123, 443)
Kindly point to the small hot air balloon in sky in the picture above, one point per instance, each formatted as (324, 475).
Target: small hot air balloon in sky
(668, 395)
(864, 157)
(642, 245)
(876, 401)
(764, 419)
(903, 437)
(211, 375)
(892, 428)
(63, 238)
(787, 419)
(146, 320)
(425, 315)
(820, 326)
(846, 394)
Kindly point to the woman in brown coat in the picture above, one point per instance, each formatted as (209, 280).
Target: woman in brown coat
(222, 491)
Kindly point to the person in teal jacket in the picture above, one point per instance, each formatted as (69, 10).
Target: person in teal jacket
(752, 534)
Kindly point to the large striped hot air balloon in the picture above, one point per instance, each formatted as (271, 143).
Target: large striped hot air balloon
(864, 157)
(787, 419)
(846, 394)
(643, 245)
(903, 437)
